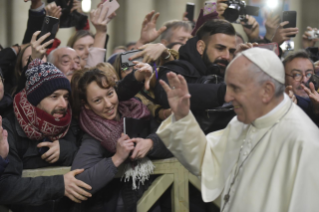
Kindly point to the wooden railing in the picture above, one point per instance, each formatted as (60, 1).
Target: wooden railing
(171, 171)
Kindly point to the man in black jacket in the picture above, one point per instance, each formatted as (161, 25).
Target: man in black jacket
(41, 133)
(203, 60)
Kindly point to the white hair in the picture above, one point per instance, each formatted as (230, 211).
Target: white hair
(260, 77)
(51, 56)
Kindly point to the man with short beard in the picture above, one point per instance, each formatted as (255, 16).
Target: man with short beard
(41, 133)
(203, 60)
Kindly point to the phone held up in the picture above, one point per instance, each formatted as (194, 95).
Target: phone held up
(291, 17)
(113, 5)
(50, 24)
(125, 62)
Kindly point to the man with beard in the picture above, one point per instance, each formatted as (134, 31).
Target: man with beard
(203, 60)
(40, 134)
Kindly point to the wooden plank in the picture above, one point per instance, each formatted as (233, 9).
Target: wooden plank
(154, 192)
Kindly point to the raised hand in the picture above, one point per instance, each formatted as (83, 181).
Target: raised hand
(271, 24)
(245, 46)
(253, 32)
(314, 97)
(282, 34)
(39, 50)
(143, 72)
(143, 146)
(149, 33)
(151, 52)
(77, 6)
(290, 93)
(177, 95)
(53, 10)
(4, 146)
(99, 19)
(306, 42)
(74, 188)
(53, 154)
(220, 8)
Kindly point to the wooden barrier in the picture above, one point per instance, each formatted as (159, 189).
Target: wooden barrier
(171, 171)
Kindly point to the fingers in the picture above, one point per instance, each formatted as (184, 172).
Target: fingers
(307, 90)
(137, 55)
(52, 158)
(282, 24)
(173, 80)
(45, 144)
(165, 86)
(155, 17)
(34, 36)
(161, 30)
(85, 186)
(47, 154)
(77, 171)
(149, 16)
(287, 89)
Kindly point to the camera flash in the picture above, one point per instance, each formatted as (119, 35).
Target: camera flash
(86, 6)
(272, 4)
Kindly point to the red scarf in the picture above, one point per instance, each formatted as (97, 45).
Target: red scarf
(38, 124)
(108, 131)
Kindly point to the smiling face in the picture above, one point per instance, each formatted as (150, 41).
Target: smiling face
(81, 46)
(55, 104)
(245, 94)
(102, 101)
(298, 66)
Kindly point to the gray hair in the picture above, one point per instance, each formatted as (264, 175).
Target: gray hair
(51, 56)
(260, 77)
(174, 24)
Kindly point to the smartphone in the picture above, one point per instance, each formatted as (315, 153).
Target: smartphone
(209, 8)
(271, 46)
(125, 62)
(50, 24)
(290, 16)
(113, 5)
(315, 80)
(190, 8)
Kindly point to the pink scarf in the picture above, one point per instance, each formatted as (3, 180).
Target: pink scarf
(108, 131)
(38, 124)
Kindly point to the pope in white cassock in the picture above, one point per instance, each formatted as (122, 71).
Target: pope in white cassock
(267, 158)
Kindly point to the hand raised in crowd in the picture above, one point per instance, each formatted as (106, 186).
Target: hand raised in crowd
(184, 18)
(39, 50)
(282, 34)
(74, 188)
(290, 93)
(149, 33)
(245, 46)
(151, 52)
(53, 154)
(306, 42)
(143, 146)
(253, 32)
(53, 10)
(177, 95)
(99, 19)
(124, 147)
(143, 73)
(220, 8)
(271, 24)
(4, 146)
(77, 5)
(313, 95)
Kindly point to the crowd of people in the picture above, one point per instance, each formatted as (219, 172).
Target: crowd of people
(242, 118)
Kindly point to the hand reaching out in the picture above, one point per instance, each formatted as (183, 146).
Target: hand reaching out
(143, 72)
(177, 95)
(53, 10)
(4, 146)
(291, 94)
(99, 18)
(282, 34)
(53, 154)
(253, 32)
(313, 95)
(39, 50)
(143, 146)
(151, 52)
(271, 24)
(149, 33)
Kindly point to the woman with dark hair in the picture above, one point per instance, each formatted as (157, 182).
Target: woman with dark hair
(105, 146)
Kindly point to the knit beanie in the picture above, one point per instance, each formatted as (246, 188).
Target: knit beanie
(42, 80)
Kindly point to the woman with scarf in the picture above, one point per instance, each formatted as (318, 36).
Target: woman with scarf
(105, 147)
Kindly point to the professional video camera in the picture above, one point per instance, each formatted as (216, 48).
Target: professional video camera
(238, 9)
(68, 19)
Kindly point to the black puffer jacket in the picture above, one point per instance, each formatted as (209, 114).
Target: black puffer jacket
(207, 96)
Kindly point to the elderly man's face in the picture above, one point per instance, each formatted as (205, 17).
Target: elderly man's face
(220, 50)
(242, 90)
(67, 60)
(302, 67)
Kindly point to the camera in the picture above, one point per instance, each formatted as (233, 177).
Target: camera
(313, 34)
(69, 19)
(238, 9)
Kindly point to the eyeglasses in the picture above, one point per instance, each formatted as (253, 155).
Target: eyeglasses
(299, 76)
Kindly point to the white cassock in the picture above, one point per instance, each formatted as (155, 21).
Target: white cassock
(274, 160)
